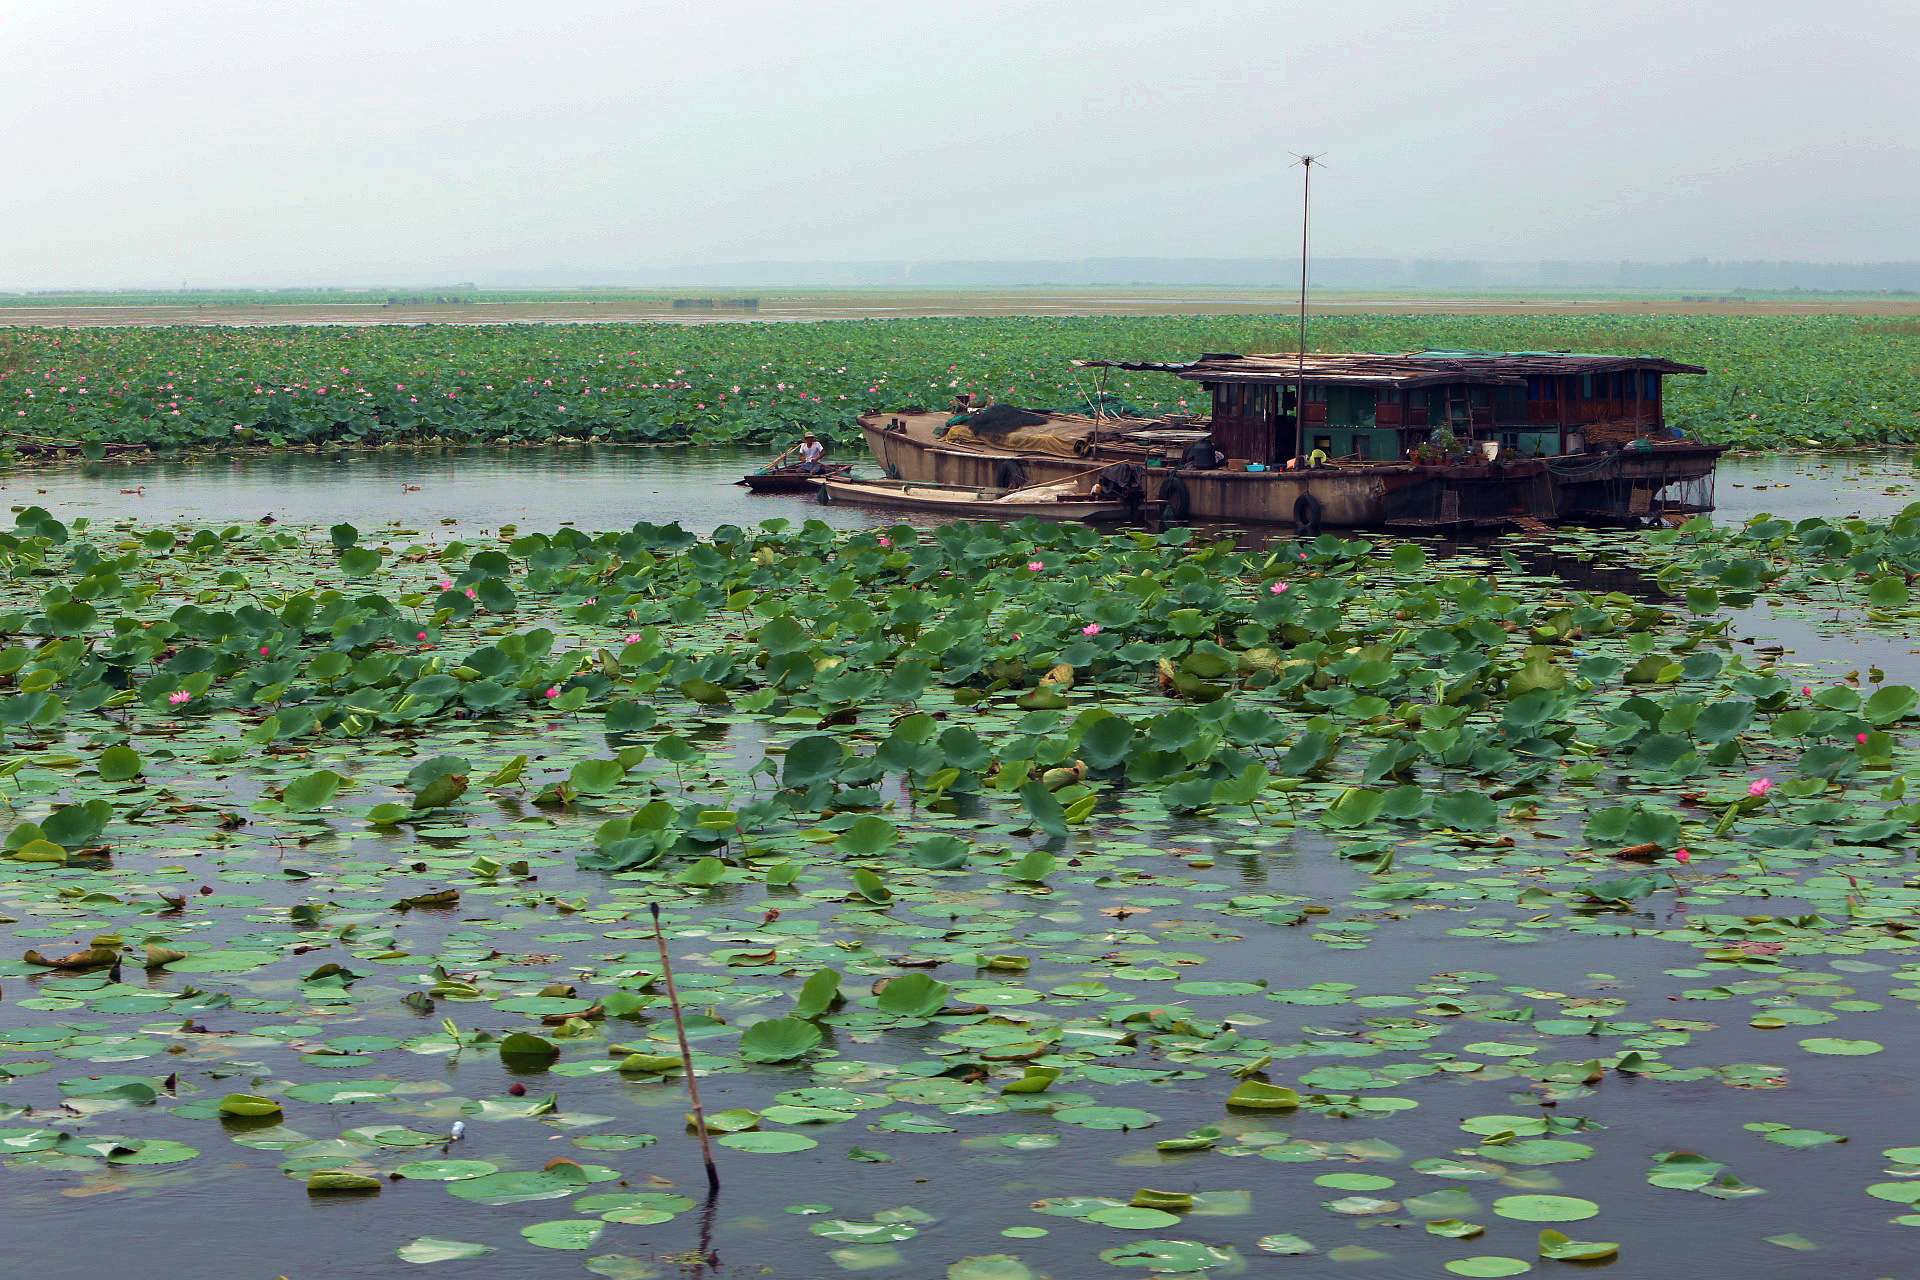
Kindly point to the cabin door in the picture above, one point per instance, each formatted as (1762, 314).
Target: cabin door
(1286, 426)
(1243, 421)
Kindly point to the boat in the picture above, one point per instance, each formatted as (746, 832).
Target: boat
(1416, 440)
(794, 479)
(974, 502)
(932, 447)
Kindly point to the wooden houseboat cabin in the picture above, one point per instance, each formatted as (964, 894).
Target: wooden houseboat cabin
(1365, 407)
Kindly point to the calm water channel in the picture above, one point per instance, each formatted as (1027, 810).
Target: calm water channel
(610, 487)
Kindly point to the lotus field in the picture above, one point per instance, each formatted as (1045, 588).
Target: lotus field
(1774, 382)
(1041, 902)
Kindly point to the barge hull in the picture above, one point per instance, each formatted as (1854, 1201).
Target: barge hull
(1343, 497)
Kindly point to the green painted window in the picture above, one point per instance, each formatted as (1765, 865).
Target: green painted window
(1351, 405)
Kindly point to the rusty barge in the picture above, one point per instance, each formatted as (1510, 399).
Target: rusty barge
(1426, 439)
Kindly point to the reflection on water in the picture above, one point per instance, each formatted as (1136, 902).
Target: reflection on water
(1798, 485)
(609, 487)
(464, 490)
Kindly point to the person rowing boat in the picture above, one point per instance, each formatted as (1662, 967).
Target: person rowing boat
(810, 452)
(797, 470)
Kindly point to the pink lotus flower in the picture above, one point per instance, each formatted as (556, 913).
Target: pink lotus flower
(1278, 588)
(884, 540)
(1681, 855)
(1860, 738)
(553, 691)
(1091, 629)
(446, 584)
(1035, 566)
(420, 636)
(472, 594)
(635, 638)
(179, 696)
(263, 653)
(1806, 690)
(1759, 787)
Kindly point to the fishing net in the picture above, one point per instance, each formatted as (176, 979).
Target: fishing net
(998, 419)
(1022, 440)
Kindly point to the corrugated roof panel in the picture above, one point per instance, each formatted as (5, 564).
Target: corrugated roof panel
(1413, 368)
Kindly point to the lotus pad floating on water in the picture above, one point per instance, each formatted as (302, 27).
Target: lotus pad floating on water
(1190, 939)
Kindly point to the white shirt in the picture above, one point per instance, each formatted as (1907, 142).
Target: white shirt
(811, 452)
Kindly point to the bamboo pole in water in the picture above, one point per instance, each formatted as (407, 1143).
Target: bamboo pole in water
(686, 1052)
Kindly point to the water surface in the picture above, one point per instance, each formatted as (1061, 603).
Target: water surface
(477, 488)
(461, 490)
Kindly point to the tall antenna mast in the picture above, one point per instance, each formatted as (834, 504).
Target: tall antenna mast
(1300, 371)
(1306, 212)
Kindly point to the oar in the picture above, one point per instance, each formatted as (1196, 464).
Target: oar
(1048, 484)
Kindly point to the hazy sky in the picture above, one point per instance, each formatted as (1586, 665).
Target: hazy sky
(302, 141)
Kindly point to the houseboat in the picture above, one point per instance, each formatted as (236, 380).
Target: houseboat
(1433, 439)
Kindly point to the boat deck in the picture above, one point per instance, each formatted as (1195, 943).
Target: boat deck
(927, 429)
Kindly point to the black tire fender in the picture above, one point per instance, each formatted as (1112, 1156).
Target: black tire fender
(1306, 513)
(1175, 501)
(1010, 473)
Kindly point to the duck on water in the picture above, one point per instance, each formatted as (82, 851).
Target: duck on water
(1426, 439)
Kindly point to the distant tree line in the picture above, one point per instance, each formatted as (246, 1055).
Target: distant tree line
(1268, 273)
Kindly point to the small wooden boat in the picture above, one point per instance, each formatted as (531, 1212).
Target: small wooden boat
(1043, 502)
(794, 479)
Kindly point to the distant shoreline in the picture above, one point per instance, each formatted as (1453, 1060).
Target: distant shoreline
(359, 308)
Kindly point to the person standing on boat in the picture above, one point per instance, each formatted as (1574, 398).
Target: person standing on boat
(811, 451)
(1203, 455)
